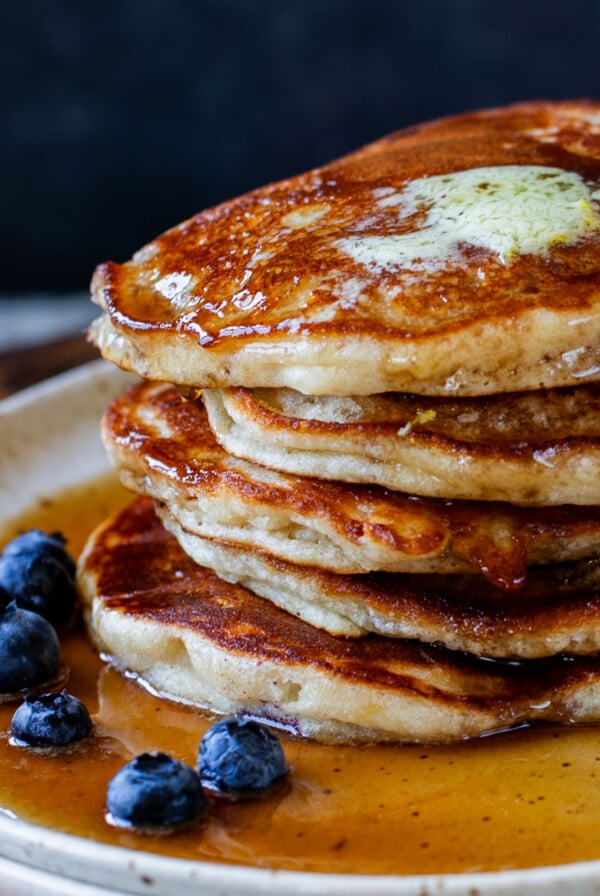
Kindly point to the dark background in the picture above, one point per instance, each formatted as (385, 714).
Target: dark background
(122, 118)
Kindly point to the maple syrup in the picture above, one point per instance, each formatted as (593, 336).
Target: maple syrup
(515, 800)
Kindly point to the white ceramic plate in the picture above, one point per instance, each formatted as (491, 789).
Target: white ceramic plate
(48, 441)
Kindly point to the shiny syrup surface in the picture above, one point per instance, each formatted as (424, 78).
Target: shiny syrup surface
(516, 800)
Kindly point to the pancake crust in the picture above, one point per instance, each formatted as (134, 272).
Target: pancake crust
(534, 448)
(163, 447)
(328, 283)
(556, 611)
(192, 636)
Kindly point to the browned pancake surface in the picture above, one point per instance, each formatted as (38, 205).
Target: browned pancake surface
(532, 448)
(255, 272)
(164, 447)
(556, 611)
(131, 567)
(519, 423)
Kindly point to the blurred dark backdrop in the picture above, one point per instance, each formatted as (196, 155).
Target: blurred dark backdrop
(120, 119)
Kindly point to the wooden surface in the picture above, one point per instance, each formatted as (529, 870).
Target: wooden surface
(25, 366)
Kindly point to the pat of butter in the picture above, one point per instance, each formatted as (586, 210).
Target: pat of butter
(507, 209)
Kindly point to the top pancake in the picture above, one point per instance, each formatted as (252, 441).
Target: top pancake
(459, 257)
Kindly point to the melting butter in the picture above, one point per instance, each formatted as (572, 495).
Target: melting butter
(509, 210)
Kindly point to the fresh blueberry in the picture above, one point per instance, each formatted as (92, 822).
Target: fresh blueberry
(29, 649)
(51, 720)
(155, 790)
(37, 572)
(35, 541)
(240, 755)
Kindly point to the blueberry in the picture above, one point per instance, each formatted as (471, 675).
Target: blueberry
(37, 572)
(34, 541)
(29, 649)
(51, 720)
(240, 755)
(155, 790)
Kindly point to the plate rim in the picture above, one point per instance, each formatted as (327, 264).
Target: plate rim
(137, 868)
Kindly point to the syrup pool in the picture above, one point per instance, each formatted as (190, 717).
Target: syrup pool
(517, 800)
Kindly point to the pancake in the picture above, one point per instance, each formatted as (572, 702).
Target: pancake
(164, 448)
(460, 257)
(556, 611)
(196, 638)
(533, 448)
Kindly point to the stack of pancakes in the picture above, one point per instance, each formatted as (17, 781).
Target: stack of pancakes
(367, 439)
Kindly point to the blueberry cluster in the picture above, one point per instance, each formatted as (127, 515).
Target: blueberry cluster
(237, 757)
(37, 594)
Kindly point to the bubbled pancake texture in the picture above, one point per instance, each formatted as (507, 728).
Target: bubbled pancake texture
(385, 469)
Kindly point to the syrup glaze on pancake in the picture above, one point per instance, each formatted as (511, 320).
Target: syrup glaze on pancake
(556, 611)
(533, 448)
(195, 637)
(163, 447)
(305, 284)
